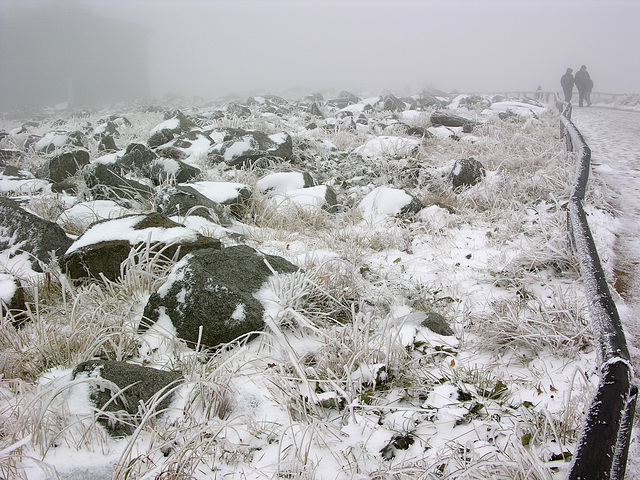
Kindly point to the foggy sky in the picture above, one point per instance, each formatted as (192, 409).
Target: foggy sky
(212, 48)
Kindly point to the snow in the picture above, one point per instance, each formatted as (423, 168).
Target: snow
(271, 427)
(8, 287)
(384, 201)
(387, 145)
(21, 186)
(124, 229)
(612, 137)
(238, 148)
(219, 192)
(281, 182)
(519, 108)
(86, 213)
(310, 198)
(171, 124)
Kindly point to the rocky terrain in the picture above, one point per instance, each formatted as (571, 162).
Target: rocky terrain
(317, 288)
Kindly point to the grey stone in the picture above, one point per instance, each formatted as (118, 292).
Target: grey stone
(134, 384)
(105, 257)
(180, 200)
(214, 289)
(65, 165)
(104, 183)
(437, 324)
(24, 231)
(248, 146)
(466, 172)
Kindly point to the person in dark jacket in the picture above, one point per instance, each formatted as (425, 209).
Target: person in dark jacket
(566, 81)
(585, 85)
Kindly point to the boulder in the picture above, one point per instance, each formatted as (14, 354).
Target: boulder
(105, 129)
(120, 388)
(24, 231)
(57, 139)
(284, 181)
(386, 200)
(343, 99)
(187, 140)
(306, 199)
(235, 196)
(164, 170)
(65, 165)
(450, 120)
(314, 110)
(247, 146)
(9, 155)
(180, 200)
(102, 248)
(11, 298)
(106, 184)
(107, 144)
(392, 103)
(237, 110)
(137, 158)
(466, 172)
(437, 324)
(184, 124)
(160, 137)
(209, 296)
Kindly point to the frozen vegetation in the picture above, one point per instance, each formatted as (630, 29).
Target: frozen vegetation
(450, 340)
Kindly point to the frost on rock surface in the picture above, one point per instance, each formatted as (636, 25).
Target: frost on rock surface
(209, 296)
(102, 248)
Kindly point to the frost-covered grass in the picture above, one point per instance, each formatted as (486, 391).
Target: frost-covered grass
(343, 383)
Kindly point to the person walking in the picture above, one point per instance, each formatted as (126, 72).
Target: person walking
(566, 81)
(585, 85)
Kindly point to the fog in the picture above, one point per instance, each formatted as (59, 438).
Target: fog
(214, 48)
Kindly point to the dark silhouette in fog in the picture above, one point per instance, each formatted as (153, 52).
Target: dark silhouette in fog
(567, 81)
(584, 84)
(62, 52)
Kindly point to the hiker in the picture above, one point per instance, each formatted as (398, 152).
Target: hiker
(585, 85)
(567, 84)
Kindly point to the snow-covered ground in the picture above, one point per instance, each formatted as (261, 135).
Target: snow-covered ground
(614, 139)
(366, 391)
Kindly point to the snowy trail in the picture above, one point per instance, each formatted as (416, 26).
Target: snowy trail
(614, 139)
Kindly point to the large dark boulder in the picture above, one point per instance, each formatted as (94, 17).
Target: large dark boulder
(160, 137)
(102, 248)
(65, 165)
(107, 144)
(236, 110)
(105, 184)
(212, 292)
(247, 146)
(392, 103)
(118, 389)
(466, 172)
(450, 120)
(23, 231)
(180, 200)
(137, 159)
(343, 99)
